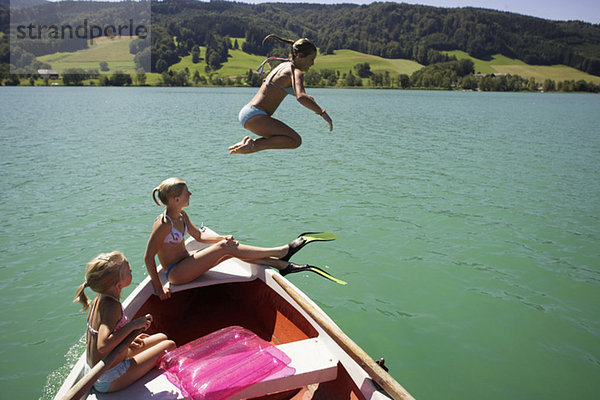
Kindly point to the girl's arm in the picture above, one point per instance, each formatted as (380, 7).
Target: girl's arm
(202, 237)
(110, 314)
(306, 100)
(159, 231)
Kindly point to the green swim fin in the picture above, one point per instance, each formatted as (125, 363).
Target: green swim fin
(305, 238)
(322, 236)
(326, 275)
(293, 268)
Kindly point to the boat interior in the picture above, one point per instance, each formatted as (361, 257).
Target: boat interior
(193, 313)
(204, 310)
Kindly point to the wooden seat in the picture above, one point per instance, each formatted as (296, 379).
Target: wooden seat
(311, 360)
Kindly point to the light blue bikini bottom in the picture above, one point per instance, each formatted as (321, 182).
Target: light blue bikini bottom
(249, 111)
(103, 383)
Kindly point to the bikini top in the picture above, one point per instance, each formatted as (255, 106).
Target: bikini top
(175, 236)
(287, 90)
(120, 324)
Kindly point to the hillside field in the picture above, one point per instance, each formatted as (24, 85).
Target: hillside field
(501, 64)
(116, 53)
(342, 60)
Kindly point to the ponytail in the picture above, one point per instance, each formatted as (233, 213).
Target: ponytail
(272, 35)
(154, 191)
(80, 297)
(302, 47)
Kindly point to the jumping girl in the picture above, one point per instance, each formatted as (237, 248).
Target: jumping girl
(107, 326)
(167, 241)
(286, 78)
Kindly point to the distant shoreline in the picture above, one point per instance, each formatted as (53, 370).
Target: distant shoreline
(59, 84)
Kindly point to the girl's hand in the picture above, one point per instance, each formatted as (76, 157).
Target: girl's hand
(138, 342)
(229, 239)
(164, 293)
(142, 322)
(329, 121)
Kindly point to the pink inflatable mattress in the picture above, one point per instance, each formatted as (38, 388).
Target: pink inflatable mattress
(223, 363)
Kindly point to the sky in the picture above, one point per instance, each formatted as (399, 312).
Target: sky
(558, 10)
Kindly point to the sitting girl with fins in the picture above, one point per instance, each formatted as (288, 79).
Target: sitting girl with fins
(167, 242)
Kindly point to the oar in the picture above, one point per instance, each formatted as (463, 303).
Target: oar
(378, 374)
(86, 383)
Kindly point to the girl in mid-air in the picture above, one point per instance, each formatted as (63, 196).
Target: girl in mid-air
(167, 241)
(286, 78)
(107, 326)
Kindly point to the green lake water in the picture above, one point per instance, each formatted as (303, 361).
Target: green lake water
(468, 223)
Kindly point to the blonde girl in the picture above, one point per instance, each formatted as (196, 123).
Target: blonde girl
(107, 325)
(286, 78)
(167, 241)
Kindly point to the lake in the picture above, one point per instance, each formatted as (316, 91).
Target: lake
(468, 223)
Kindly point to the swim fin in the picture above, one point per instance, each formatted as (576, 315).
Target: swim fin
(292, 268)
(305, 238)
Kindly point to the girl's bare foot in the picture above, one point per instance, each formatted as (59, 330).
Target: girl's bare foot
(239, 144)
(246, 145)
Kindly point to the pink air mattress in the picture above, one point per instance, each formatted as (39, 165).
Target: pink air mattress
(223, 363)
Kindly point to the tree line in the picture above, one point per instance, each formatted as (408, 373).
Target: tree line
(451, 75)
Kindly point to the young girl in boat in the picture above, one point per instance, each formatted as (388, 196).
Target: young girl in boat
(286, 78)
(167, 241)
(107, 326)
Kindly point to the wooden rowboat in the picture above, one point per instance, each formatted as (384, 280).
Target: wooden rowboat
(327, 364)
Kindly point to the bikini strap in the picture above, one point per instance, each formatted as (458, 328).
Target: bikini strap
(94, 303)
(172, 226)
(184, 224)
(92, 311)
(165, 215)
(261, 68)
(89, 321)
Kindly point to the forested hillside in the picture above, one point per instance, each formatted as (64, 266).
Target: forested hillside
(389, 30)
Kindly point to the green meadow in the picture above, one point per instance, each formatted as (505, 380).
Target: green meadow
(116, 53)
(238, 64)
(500, 64)
(345, 60)
(342, 60)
